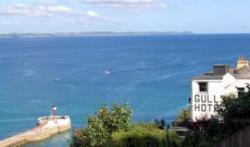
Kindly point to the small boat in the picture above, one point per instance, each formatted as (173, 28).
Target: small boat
(107, 72)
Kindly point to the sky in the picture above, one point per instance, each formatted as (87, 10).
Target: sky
(197, 16)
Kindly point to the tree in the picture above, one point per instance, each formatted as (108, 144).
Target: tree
(235, 112)
(183, 117)
(233, 115)
(101, 126)
(161, 124)
(203, 133)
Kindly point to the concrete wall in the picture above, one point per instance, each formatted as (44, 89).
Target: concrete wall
(47, 133)
(36, 134)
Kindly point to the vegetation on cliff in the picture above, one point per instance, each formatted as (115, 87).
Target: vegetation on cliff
(233, 115)
(114, 127)
(182, 118)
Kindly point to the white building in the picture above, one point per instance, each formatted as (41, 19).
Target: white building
(208, 88)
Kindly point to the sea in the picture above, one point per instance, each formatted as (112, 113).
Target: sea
(80, 74)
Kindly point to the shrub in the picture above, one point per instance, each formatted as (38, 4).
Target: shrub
(101, 126)
(161, 124)
(80, 139)
(144, 135)
(173, 140)
(203, 133)
(183, 118)
(235, 112)
(113, 128)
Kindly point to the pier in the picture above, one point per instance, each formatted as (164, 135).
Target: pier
(46, 127)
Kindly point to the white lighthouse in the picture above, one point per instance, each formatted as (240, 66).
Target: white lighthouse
(208, 88)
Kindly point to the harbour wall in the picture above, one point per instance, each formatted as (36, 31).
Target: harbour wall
(37, 134)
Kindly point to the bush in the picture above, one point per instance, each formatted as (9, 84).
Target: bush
(80, 139)
(203, 133)
(173, 140)
(140, 135)
(235, 112)
(233, 115)
(144, 135)
(101, 126)
(161, 124)
(183, 118)
(113, 128)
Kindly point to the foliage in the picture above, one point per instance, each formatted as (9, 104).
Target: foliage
(97, 132)
(113, 128)
(161, 124)
(183, 117)
(80, 138)
(101, 126)
(235, 112)
(145, 135)
(172, 139)
(203, 133)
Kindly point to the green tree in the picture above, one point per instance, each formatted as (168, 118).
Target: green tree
(233, 115)
(144, 135)
(183, 117)
(96, 131)
(101, 126)
(161, 124)
(203, 133)
(235, 112)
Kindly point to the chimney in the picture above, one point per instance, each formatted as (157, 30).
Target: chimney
(242, 62)
(221, 69)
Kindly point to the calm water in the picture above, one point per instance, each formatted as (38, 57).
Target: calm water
(152, 73)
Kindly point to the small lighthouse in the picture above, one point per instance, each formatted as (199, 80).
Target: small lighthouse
(47, 126)
(53, 111)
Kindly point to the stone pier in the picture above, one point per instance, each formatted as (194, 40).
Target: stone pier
(46, 127)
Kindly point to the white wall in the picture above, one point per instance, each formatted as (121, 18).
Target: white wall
(204, 103)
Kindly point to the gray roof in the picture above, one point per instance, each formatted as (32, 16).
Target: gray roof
(242, 76)
(219, 70)
(212, 76)
(208, 76)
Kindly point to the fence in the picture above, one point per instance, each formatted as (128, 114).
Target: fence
(238, 139)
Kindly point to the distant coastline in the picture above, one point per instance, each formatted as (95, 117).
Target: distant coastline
(83, 34)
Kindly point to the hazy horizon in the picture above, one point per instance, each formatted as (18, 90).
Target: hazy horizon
(110, 32)
(51, 16)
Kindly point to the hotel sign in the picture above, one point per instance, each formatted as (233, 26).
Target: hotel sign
(205, 103)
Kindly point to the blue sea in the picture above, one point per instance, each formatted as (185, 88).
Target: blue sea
(151, 73)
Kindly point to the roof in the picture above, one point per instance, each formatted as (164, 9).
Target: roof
(242, 71)
(242, 76)
(208, 76)
(212, 76)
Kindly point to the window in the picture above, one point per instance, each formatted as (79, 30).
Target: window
(240, 90)
(203, 86)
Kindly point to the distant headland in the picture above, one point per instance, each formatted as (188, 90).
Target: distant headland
(82, 34)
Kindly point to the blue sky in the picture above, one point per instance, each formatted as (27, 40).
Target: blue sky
(198, 16)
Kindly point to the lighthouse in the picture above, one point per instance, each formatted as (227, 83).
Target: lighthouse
(53, 111)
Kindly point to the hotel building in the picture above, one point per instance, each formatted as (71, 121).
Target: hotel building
(208, 88)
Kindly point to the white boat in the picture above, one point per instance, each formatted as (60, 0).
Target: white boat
(107, 72)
